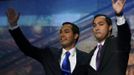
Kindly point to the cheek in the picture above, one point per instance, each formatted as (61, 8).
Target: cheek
(93, 31)
(105, 29)
(68, 36)
(71, 37)
(105, 32)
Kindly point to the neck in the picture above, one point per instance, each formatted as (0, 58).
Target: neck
(101, 40)
(69, 47)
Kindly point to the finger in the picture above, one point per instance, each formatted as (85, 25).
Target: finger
(11, 12)
(18, 15)
(124, 1)
(8, 12)
(113, 1)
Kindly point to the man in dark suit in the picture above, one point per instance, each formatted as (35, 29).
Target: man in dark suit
(110, 56)
(66, 61)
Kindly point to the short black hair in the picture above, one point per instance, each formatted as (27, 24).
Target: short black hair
(75, 28)
(108, 19)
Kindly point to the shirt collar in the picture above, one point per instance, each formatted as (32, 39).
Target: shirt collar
(102, 43)
(72, 51)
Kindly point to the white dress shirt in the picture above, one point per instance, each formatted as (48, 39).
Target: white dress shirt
(120, 21)
(93, 59)
(72, 58)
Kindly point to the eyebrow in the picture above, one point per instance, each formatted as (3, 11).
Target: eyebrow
(64, 30)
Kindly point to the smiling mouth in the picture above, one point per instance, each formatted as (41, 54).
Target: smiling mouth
(63, 39)
(98, 33)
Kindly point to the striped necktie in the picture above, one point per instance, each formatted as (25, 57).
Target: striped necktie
(66, 70)
(98, 57)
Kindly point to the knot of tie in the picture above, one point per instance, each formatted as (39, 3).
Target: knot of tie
(67, 54)
(66, 65)
(100, 46)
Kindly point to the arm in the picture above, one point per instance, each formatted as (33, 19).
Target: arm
(18, 36)
(124, 37)
(24, 45)
(124, 34)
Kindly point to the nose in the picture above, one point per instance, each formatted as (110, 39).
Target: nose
(96, 28)
(61, 34)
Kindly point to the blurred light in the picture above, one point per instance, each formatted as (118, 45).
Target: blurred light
(58, 19)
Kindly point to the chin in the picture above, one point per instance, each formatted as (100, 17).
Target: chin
(64, 43)
(98, 39)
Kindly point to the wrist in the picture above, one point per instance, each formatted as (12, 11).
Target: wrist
(13, 24)
(119, 14)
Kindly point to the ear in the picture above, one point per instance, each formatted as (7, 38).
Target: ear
(110, 28)
(76, 36)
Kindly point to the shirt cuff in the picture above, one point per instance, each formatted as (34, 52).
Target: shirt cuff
(15, 27)
(120, 20)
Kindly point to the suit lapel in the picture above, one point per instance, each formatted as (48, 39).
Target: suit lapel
(57, 64)
(106, 53)
(91, 69)
(59, 55)
(91, 53)
(78, 61)
(54, 61)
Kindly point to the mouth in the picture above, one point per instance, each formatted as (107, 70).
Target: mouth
(97, 32)
(63, 39)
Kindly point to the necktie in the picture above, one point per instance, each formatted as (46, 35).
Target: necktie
(66, 70)
(98, 57)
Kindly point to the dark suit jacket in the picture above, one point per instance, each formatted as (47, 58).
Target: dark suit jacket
(49, 57)
(115, 53)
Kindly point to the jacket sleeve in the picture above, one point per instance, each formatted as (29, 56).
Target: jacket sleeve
(124, 37)
(24, 45)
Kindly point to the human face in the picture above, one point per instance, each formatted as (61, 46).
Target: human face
(101, 29)
(67, 37)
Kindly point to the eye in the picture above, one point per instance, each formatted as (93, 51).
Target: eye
(101, 24)
(94, 25)
(67, 31)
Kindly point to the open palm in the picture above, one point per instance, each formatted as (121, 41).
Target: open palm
(12, 16)
(118, 5)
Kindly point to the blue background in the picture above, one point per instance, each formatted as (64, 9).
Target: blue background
(41, 20)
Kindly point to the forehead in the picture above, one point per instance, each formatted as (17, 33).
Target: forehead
(66, 26)
(100, 18)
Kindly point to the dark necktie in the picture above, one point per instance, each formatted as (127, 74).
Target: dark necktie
(98, 57)
(66, 70)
